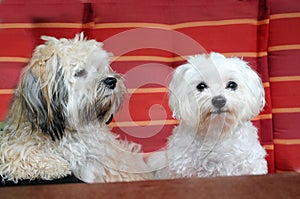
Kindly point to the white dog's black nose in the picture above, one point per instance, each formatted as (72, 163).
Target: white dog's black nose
(110, 82)
(218, 101)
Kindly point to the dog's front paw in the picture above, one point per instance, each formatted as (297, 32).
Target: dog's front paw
(34, 166)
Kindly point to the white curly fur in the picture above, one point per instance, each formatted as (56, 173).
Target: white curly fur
(214, 98)
(56, 125)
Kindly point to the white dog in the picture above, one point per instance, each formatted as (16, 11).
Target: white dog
(57, 123)
(214, 98)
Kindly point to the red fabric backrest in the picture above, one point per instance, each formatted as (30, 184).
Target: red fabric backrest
(284, 62)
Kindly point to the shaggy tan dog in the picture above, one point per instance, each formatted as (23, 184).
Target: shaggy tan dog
(57, 123)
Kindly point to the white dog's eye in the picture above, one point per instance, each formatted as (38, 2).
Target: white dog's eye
(232, 85)
(201, 86)
(80, 73)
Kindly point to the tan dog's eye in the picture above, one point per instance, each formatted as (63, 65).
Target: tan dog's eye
(80, 73)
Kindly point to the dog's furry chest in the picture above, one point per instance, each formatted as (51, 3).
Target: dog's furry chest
(190, 155)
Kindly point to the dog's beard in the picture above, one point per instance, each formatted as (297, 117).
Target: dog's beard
(100, 110)
(97, 108)
(217, 125)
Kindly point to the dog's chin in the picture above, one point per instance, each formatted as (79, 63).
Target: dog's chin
(222, 119)
(215, 114)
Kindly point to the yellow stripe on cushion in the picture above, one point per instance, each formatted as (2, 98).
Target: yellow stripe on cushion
(7, 91)
(143, 123)
(284, 47)
(181, 25)
(284, 78)
(41, 25)
(220, 23)
(131, 25)
(268, 146)
(266, 84)
(246, 54)
(286, 110)
(183, 58)
(285, 15)
(148, 90)
(130, 90)
(262, 117)
(149, 58)
(134, 24)
(287, 141)
(14, 59)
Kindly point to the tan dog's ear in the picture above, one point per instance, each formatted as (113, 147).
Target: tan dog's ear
(45, 95)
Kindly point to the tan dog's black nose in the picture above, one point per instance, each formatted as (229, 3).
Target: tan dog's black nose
(110, 82)
(218, 101)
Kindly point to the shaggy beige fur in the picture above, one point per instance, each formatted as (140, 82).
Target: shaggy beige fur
(57, 123)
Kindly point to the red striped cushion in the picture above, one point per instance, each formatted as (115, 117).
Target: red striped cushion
(150, 39)
(284, 61)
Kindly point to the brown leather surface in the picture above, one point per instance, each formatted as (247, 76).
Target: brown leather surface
(270, 186)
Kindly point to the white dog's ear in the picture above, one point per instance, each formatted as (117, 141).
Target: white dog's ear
(44, 97)
(177, 90)
(173, 95)
(253, 83)
(182, 98)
